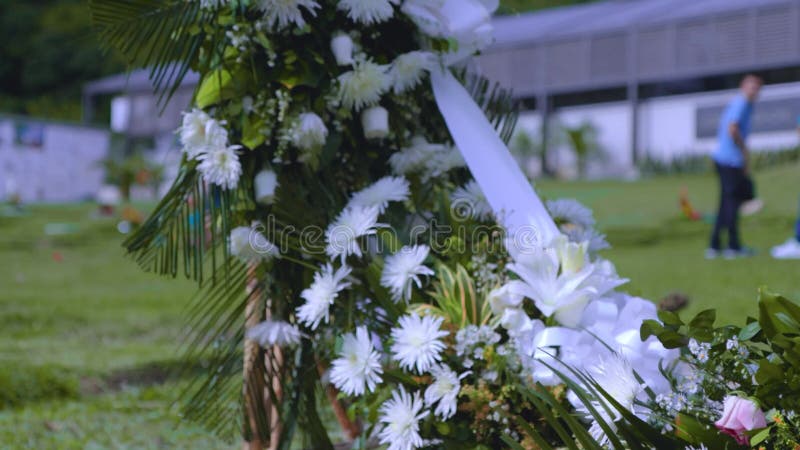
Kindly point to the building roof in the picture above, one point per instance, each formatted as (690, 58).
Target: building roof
(621, 43)
(134, 81)
(612, 15)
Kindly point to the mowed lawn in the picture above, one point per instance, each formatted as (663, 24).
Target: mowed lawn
(661, 252)
(85, 335)
(86, 338)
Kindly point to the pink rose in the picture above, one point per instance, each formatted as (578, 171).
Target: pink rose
(740, 415)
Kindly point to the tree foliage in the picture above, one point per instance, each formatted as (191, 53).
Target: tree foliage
(47, 51)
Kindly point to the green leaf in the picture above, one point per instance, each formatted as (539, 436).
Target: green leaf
(252, 136)
(704, 320)
(214, 88)
(760, 436)
(690, 429)
(770, 307)
(162, 36)
(749, 331)
(670, 318)
(649, 328)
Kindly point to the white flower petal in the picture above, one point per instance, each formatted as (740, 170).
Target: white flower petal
(279, 14)
(270, 333)
(352, 223)
(401, 415)
(320, 295)
(417, 342)
(368, 12)
(404, 268)
(358, 366)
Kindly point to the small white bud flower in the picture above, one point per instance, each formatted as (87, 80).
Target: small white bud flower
(375, 121)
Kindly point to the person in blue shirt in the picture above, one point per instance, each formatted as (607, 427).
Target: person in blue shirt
(731, 159)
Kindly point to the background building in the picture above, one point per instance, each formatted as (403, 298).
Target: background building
(650, 75)
(50, 161)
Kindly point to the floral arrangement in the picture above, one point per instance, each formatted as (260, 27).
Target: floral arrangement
(736, 385)
(345, 250)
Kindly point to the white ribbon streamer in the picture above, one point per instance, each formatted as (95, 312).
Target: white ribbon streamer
(506, 188)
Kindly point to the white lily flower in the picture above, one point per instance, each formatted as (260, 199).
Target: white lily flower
(468, 22)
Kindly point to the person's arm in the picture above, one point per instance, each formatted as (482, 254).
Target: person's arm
(736, 135)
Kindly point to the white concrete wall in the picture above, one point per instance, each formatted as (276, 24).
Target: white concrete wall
(65, 168)
(614, 138)
(666, 128)
(667, 124)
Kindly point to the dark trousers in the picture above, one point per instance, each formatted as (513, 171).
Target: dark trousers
(728, 216)
(797, 226)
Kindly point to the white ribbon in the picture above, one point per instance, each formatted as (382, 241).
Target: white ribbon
(506, 188)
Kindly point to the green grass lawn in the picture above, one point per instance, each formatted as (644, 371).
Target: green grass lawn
(75, 313)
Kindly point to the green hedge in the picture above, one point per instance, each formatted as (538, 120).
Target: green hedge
(23, 384)
(702, 163)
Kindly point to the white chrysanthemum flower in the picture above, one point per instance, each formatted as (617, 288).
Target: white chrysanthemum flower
(408, 69)
(380, 193)
(401, 415)
(358, 366)
(443, 161)
(595, 240)
(417, 342)
(471, 196)
(368, 12)
(308, 132)
(249, 245)
(199, 133)
(572, 211)
(278, 14)
(221, 166)
(414, 157)
(352, 223)
(320, 295)
(265, 183)
(444, 389)
(362, 86)
(275, 332)
(404, 268)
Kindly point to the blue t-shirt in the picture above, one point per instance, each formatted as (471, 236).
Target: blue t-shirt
(738, 111)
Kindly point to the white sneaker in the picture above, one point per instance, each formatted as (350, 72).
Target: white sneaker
(788, 250)
(751, 207)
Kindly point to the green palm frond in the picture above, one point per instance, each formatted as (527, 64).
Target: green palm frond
(216, 336)
(570, 430)
(497, 102)
(189, 227)
(628, 431)
(457, 299)
(164, 36)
